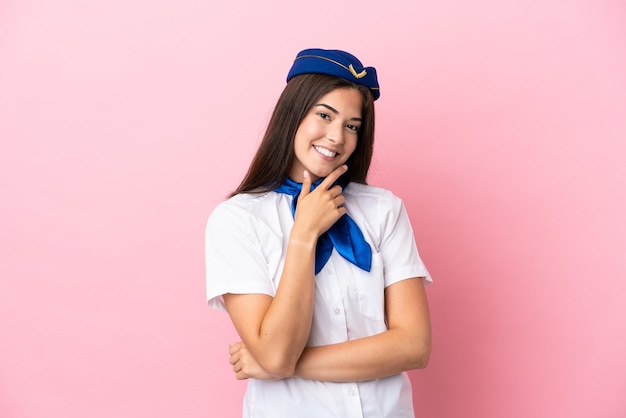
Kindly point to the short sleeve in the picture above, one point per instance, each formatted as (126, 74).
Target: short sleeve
(401, 259)
(234, 258)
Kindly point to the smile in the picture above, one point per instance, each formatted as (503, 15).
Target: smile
(324, 151)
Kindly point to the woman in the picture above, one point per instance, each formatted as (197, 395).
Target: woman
(318, 271)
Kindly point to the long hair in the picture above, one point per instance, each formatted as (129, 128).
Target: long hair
(272, 162)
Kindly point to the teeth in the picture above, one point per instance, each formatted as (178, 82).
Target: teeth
(324, 151)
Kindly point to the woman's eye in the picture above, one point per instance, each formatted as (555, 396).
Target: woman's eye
(353, 128)
(323, 115)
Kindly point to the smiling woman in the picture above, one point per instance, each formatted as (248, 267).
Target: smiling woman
(327, 135)
(319, 271)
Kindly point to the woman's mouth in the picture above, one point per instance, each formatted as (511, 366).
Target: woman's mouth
(324, 151)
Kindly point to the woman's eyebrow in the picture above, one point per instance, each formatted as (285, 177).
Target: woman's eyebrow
(335, 111)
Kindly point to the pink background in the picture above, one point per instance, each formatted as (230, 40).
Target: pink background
(123, 123)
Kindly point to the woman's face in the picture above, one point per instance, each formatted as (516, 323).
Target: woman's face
(327, 135)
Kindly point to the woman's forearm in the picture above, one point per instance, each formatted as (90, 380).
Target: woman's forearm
(275, 330)
(374, 357)
(404, 346)
(287, 322)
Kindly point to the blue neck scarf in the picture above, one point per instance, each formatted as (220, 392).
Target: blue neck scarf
(345, 235)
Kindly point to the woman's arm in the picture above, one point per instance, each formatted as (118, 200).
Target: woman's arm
(275, 330)
(404, 346)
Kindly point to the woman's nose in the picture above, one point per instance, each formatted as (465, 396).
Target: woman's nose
(335, 134)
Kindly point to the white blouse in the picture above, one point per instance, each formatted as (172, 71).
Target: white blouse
(246, 243)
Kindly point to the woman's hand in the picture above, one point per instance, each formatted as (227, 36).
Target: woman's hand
(244, 365)
(319, 209)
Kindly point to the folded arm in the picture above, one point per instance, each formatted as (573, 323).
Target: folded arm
(404, 346)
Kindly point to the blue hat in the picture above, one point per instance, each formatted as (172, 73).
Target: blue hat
(336, 63)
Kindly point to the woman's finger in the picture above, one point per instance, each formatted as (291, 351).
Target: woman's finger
(306, 184)
(335, 191)
(332, 177)
(234, 347)
(234, 358)
(339, 201)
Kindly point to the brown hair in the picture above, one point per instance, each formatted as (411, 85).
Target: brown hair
(272, 162)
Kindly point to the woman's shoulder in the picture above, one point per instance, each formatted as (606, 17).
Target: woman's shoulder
(243, 205)
(372, 202)
(245, 200)
(369, 194)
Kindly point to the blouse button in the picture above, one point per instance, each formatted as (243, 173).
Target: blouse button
(337, 311)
